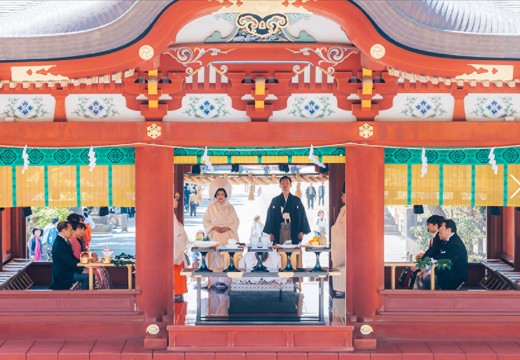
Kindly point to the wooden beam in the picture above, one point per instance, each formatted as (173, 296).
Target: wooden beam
(450, 134)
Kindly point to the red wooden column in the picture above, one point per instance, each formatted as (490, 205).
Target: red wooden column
(154, 230)
(517, 239)
(18, 233)
(508, 231)
(1, 237)
(364, 176)
(494, 235)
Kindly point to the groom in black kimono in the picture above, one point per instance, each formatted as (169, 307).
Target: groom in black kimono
(288, 206)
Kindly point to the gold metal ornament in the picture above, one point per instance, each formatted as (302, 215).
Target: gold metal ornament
(366, 130)
(366, 329)
(154, 131)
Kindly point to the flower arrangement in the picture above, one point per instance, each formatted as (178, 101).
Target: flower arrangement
(123, 260)
(427, 262)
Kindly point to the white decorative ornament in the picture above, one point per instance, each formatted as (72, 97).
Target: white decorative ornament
(25, 157)
(91, 159)
(146, 52)
(314, 158)
(330, 57)
(206, 159)
(190, 58)
(153, 329)
(492, 161)
(366, 130)
(377, 51)
(366, 329)
(518, 183)
(424, 159)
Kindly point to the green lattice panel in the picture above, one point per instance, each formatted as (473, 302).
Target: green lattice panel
(67, 157)
(260, 151)
(456, 156)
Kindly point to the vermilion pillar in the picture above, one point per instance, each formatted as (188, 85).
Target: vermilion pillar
(494, 235)
(365, 229)
(517, 239)
(508, 232)
(1, 237)
(154, 230)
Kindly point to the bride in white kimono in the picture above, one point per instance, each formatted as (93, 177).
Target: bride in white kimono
(220, 220)
(338, 247)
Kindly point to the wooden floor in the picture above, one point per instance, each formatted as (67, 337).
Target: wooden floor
(132, 349)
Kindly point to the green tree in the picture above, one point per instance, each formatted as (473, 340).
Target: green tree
(42, 216)
(471, 227)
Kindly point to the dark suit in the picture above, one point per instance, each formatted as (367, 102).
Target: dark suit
(294, 207)
(435, 247)
(455, 250)
(64, 265)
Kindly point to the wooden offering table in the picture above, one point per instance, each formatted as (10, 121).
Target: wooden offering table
(91, 266)
(322, 275)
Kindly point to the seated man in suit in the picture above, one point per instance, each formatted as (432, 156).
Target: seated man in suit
(64, 266)
(451, 248)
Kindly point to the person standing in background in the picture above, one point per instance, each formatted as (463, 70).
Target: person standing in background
(310, 194)
(321, 194)
(49, 234)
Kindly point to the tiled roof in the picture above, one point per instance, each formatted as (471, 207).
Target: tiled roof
(42, 29)
(475, 17)
(479, 28)
(24, 18)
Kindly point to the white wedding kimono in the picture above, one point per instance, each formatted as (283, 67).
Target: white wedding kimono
(180, 241)
(221, 215)
(338, 249)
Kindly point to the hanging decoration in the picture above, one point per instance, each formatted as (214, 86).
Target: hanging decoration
(206, 159)
(492, 161)
(424, 159)
(298, 191)
(91, 159)
(251, 195)
(314, 158)
(25, 158)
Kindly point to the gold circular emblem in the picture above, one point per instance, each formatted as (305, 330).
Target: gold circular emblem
(377, 51)
(146, 52)
(366, 329)
(152, 329)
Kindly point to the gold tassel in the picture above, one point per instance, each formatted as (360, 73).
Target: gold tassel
(199, 194)
(251, 192)
(298, 190)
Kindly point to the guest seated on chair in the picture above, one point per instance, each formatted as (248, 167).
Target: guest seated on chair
(64, 266)
(452, 248)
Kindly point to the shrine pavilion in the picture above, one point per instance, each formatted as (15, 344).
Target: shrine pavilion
(110, 103)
